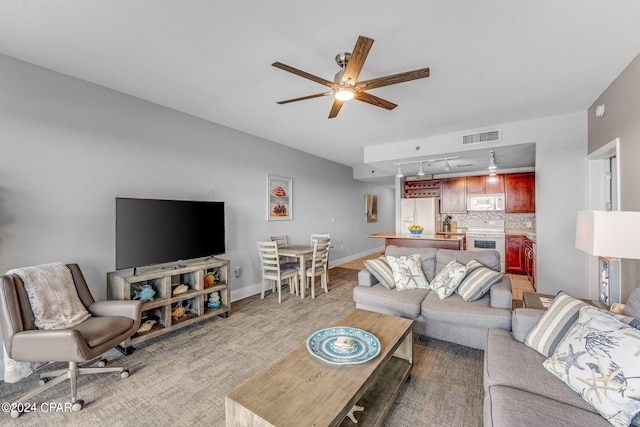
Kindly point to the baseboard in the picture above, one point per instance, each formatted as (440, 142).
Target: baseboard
(336, 262)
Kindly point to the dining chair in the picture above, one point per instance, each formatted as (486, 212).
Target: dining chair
(281, 240)
(322, 237)
(319, 266)
(272, 270)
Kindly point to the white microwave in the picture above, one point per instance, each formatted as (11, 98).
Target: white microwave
(485, 202)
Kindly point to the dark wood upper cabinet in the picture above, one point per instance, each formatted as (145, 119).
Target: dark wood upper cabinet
(484, 184)
(520, 192)
(453, 195)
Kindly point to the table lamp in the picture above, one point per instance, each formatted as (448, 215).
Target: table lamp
(609, 236)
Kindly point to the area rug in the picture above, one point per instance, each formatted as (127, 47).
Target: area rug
(181, 378)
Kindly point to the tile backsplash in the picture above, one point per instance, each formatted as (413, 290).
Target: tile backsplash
(527, 220)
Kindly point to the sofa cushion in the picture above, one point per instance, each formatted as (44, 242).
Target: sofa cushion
(477, 281)
(455, 310)
(488, 258)
(598, 358)
(381, 270)
(554, 324)
(510, 363)
(427, 257)
(447, 280)
(632, 307)
(379, 299)
(508, 407)
(407, 272)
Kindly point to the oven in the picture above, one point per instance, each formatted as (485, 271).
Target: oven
(485, 235)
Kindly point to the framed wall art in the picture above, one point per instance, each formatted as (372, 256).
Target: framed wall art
(279, 198)
(371, 207)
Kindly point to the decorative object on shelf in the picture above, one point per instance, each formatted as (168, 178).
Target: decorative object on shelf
(209, 280)
(146, 326)
(416, 229)
(214, 300)
(279, 198)
(179, 311)
(144, 293)
(342, 345)
(180, 289)
(609, 236)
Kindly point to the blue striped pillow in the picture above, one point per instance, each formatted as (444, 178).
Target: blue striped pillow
(381, 270)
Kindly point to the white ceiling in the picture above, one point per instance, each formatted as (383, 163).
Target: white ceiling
(491, 61)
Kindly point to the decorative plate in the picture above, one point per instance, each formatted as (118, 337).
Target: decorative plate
(342, 345)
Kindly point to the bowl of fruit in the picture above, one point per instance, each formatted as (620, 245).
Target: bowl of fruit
(416, 229)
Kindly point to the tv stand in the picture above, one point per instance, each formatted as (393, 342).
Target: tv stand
(123, 285)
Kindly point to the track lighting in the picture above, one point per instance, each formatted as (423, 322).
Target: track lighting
(399, 175)
(492, 163)
(420, 171)
(447, 168)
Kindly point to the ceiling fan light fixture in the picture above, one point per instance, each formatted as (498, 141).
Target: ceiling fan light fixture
(344, 93)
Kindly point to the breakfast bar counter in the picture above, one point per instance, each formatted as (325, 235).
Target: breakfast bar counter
(453, 241)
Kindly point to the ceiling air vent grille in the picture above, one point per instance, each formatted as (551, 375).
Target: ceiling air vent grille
(475, 138)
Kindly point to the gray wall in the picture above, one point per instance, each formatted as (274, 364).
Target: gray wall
(622, 120)
(69, 147)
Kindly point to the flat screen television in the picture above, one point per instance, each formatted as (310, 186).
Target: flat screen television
(155, 231)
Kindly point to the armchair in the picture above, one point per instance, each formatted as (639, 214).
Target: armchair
(82, 345)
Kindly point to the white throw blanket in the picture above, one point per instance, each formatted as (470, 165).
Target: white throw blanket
(54, 302)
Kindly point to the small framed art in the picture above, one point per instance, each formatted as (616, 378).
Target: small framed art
(279, 198)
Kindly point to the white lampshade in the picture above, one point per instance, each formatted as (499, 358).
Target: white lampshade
(614, 234)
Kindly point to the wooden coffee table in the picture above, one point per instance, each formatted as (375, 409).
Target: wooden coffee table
(302, 390)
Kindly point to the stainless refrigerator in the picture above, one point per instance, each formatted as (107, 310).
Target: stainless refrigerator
(422, 211)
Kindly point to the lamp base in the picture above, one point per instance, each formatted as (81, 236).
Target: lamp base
(609, 287)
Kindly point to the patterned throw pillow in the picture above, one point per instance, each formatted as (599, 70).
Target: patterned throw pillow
(447, 280)
(632, 307)
(598, 358)
(407, 272)
(478, 281)
(381, 270)
(554, 324)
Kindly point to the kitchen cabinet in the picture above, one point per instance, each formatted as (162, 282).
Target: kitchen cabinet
(530, 261)
(421, 188)
(453, 195)
(484, 184)
(520, 192)
(514, 258)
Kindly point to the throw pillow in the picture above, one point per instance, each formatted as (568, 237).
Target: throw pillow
(381, 270)
(598, 358)
(554, 324)
(477, 281)
(447, 280)
(407, 272)
(632, 307)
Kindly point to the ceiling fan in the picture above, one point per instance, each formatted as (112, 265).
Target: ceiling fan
(345, 85)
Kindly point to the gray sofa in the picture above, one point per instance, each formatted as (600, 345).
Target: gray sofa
(451, 319)
(519, 391)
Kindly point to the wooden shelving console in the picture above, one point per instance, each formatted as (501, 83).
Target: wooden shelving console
(124, 285)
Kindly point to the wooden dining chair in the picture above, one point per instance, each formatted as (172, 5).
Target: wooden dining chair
(272, 270)
(322, 237)
(281, 240)
(319, 266)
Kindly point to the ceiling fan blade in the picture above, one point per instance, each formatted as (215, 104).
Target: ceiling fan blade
(394, 79)
(358, 56)
(335, 108)
(374, 100)
(317, 95)
(303, 74)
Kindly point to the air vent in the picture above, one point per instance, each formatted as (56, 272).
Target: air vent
(475, 138)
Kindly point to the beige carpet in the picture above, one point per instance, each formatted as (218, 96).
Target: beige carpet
(182, 378)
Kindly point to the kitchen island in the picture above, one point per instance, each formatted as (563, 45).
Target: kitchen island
(451, 241)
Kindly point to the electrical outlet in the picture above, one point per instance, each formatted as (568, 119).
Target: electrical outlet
(529, 224)
(237, 271)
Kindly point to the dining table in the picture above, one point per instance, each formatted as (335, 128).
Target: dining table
(301, 253)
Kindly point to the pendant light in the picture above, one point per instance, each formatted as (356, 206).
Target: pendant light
(420, 171)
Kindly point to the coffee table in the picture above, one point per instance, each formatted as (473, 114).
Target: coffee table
(302, 390)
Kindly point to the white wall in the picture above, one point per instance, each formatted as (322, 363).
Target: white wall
(561, 188)
(69, 147)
